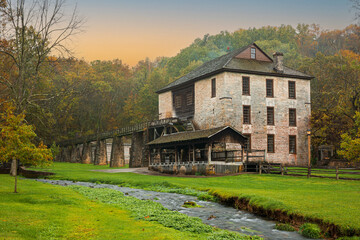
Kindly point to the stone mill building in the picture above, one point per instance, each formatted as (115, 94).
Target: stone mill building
(255, 95)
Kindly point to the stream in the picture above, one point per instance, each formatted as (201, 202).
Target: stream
(211, 213)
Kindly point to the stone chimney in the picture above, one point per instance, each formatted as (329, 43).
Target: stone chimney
(278, 62)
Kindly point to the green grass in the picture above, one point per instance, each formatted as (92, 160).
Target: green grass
(330, 200)
(44, 211)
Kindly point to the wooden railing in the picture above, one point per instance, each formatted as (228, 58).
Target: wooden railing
(335, 173)
(119, 132)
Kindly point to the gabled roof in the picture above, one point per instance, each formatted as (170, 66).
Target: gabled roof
(191, 135)
(229, 63)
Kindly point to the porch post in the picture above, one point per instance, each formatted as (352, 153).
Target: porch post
(176, 155)
(160, 153)
(193, 153)
(189, 158)
(149, 156)
(242, 153)
(209, 153)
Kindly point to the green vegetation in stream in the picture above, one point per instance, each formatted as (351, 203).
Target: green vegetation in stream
(190, 204)
(334, 202)
(152, 211)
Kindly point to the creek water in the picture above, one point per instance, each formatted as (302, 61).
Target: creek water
(210, 213)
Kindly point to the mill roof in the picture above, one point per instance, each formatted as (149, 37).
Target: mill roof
(229, 63)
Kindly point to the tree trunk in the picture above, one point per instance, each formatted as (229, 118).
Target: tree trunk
(13, 172)
(13, 167)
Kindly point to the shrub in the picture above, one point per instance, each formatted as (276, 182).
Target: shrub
(284, 227)
(310, 230)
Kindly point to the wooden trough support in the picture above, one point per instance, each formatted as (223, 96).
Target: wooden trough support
(139, 154)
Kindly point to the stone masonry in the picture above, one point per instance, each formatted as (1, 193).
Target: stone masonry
(227, 109)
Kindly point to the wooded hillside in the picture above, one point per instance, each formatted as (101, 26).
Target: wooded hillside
(76, 98)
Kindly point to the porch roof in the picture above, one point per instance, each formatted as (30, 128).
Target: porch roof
(191, 136)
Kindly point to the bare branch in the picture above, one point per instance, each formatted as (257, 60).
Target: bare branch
(356, 8)
(35, 29)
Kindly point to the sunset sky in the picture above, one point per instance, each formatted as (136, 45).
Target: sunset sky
(135, 29)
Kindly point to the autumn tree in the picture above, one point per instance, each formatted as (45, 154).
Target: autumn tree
(32, 30)
(335, 94)
(16, 142)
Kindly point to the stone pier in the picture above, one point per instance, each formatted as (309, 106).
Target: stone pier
(100, 153)
(139, 151)
(117, 158)
(86, 153)
(72, 151)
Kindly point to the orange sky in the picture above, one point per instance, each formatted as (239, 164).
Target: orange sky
(134, 30)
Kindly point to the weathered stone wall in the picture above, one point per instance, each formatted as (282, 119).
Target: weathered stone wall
(227, 109)
(139, 151)
(210, 111)
(166, 105)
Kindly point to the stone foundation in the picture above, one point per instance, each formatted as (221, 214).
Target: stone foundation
(197, 168)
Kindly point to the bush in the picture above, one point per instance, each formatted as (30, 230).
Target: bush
(310, 230)
(284, 227)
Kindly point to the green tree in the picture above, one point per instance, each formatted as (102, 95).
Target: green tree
(16, 142)
(350, 142)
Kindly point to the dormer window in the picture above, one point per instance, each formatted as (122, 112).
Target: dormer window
(253, 53)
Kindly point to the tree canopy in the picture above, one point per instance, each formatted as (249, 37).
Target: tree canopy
(66, 97)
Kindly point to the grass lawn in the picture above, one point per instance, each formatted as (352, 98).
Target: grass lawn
(334, 201)
(43, 211)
